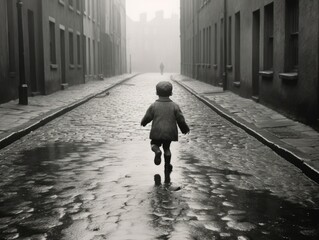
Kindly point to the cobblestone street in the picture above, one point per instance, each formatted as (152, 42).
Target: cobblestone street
(89, 174)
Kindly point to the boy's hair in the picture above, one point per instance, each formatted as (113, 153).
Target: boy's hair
(164, 89)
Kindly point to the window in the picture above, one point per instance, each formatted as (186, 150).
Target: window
(269, 37)
(78, 5)
(52, 42)
(98, 11)
(78, 45)
(229, 57)
(71, 48)
(292, 35)
(89, 8)
(93, 9)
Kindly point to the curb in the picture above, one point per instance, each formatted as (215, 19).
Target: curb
(289, 153)
(37, 122)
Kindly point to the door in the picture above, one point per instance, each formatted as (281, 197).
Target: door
(221, 52)
(32, 54)
(256, 52)
(62, 47)
(237, 47)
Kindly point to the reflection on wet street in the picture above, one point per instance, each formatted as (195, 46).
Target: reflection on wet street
(90, 174)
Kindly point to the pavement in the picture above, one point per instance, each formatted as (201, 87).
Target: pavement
(294, 141)
(17, 120)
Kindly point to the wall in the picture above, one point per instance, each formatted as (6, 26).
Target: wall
(296, 97)
(70, 19)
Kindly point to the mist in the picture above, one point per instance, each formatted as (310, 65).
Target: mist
(153, 30)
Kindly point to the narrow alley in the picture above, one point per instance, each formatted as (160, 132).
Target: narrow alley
(89, 174)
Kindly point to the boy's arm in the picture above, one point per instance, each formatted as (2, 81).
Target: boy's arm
(181, 121)
(148, 116)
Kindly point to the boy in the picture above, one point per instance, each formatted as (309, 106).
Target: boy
(166, 115)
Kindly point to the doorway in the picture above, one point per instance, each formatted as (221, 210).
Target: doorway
(221, 52)
(62, 53)
(32, 54)
(256, 54)
(237, 47)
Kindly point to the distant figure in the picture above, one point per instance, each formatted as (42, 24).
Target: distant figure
(162, 68)
(166, 115)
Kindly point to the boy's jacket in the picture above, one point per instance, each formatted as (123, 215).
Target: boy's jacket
(166, 115)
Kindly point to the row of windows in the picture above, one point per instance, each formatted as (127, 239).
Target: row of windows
(204, 40)
(90, 7)
(71, 4)
(52, 33)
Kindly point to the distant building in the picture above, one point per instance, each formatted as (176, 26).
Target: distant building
(64, 40)
(152, 42)
(266, 50)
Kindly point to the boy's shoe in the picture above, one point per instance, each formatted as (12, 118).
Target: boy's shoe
(157, 179)
(168, 168)
(157, 159)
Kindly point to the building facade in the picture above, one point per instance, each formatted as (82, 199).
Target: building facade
(8, 80)
(262, 49)
(62, 28)
(64, 41)
(152, 42)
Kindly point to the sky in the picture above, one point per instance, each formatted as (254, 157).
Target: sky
(135, 7)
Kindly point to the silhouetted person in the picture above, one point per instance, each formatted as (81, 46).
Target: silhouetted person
(162, 68)
(166, 115)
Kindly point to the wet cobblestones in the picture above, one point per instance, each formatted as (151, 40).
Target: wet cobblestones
(90, 175)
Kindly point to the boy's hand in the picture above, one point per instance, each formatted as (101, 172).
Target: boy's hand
(186, 131)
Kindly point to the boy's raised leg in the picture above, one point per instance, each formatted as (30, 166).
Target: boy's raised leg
(158, 154)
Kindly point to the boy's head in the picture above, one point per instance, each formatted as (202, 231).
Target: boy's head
(164, 89)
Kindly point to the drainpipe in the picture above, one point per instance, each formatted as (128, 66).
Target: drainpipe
(23, 87)
(194, 42)
(225, 47)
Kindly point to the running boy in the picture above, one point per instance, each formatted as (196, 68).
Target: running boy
(166, 115)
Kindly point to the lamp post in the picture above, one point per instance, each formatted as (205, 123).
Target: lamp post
(23, 87)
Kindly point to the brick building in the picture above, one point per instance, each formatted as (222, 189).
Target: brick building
(62, 42)
(262, 49)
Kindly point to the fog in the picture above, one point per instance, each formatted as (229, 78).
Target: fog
(153, 35)
(135, 7)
